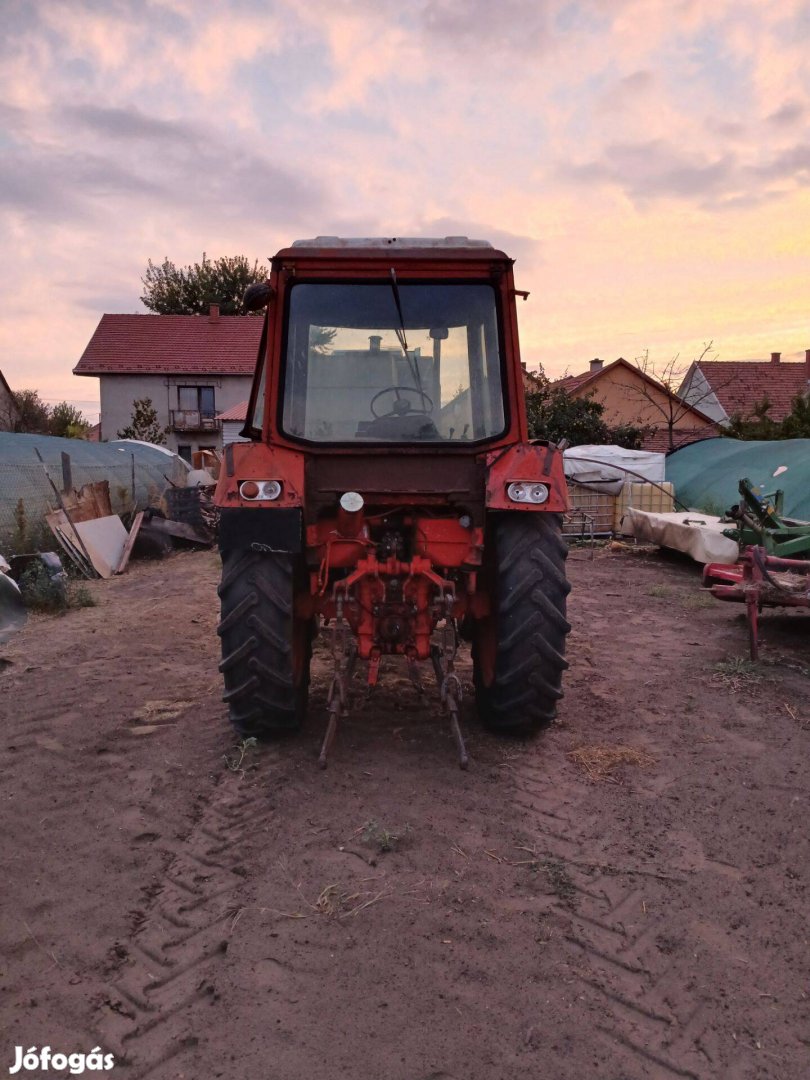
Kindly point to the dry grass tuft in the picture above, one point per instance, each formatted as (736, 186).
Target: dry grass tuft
(659, 590)
(698, 600)
(621, 547)
(600, 761)
(736, 674)
(333, 900)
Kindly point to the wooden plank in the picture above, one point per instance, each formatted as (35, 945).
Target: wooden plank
(105, 539)
(130, 544)
(90, 501)
(67, 474)
(63, 531)
(62, 506)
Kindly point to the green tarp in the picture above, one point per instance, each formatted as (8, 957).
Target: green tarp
(706, 474)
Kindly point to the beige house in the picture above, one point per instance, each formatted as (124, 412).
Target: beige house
(631, 397)
(191, 367)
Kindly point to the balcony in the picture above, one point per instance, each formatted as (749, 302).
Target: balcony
(192, 420)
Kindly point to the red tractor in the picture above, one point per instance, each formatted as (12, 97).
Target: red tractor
(389, 488)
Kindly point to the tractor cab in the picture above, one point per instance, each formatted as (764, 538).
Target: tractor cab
(377, 363)
(410, 350)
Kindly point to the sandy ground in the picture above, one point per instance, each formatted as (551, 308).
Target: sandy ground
(395, 917)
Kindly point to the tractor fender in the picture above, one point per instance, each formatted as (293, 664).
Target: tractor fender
(258, 523)
(258, 461)
(532, 462)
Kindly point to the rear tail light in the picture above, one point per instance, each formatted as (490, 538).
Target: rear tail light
(525, 491)
(260, 490)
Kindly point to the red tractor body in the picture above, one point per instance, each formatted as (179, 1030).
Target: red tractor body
(387, 477)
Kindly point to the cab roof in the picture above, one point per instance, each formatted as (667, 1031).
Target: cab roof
(399, 242)
(376, 247)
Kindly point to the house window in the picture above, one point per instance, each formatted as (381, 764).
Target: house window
(185, 452)
(197, 399)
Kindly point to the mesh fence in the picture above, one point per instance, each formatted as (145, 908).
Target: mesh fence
(137, 473)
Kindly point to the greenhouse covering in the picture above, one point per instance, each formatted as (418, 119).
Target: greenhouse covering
(707, 474)
(138, 474)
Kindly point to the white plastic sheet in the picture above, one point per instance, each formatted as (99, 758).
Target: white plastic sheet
(698, 535)
(606, 468)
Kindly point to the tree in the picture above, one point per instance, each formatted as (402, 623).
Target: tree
(630, 436)
(321, 339)
(659, 391)
(9, 416)
(68, 422)
(553, 414)
(190, 290)
(34, 413)
(796, 424)
(144, 424)
(38, 418)
(759, 425)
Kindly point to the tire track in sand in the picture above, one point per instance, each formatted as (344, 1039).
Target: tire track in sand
(656, 1022)
(168, 963)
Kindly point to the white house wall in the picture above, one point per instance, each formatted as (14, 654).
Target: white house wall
(119, 392)
(231, 430)
(696, 389)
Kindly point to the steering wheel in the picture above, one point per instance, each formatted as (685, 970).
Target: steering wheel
(400, 407)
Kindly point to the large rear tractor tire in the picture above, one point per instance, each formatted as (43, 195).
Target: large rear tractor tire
(265, 649)
(519, 651)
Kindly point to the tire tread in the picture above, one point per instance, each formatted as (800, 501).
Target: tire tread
(531, 625)
(257, 633)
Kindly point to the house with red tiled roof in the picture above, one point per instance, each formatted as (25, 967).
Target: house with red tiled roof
(725, 388)
(629, 395)
(192, 367)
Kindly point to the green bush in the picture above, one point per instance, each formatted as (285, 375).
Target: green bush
(40, 591)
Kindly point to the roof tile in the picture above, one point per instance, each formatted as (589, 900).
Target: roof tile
(172, 345)
(236, 412)
(658, 438)
(571, 382)
(740, 384)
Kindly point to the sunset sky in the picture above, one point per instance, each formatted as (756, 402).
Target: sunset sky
(647, 163)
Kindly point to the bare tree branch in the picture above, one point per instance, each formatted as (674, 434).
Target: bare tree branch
(659, 389)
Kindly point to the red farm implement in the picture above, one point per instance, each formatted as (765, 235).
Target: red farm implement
(760, 580)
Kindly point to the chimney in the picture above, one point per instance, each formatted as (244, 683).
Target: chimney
(374, 342)
(776, 357)
(807, 364)
(596, 365)
(213, 313)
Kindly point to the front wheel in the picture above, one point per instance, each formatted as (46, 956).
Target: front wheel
(265, 649)
(519, 650)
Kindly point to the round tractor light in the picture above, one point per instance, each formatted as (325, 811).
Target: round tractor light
(525, 491)
(351, 502)
(256, 490)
